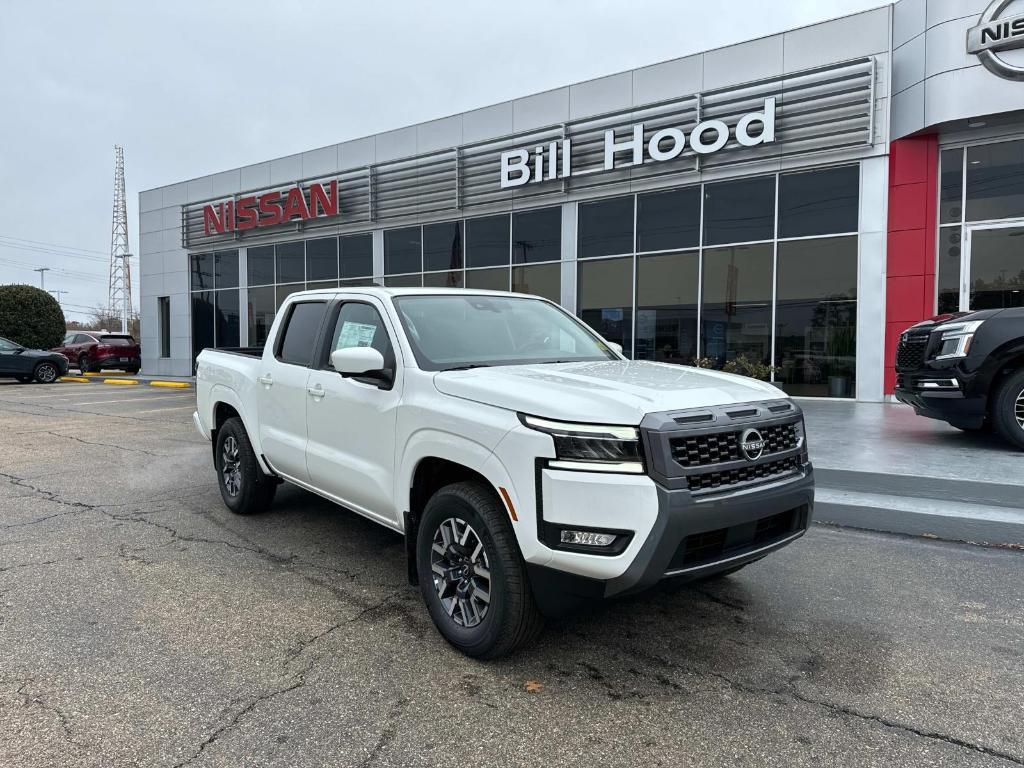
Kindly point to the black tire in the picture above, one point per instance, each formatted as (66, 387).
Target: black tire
(46, 372)
(83, 365)
(131, 371)
(255, 490)
(510, 619)
(1008, 409)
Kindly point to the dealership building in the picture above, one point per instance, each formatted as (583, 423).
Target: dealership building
(797, 200)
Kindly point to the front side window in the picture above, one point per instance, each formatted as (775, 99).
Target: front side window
(7, 346)
(360, 325)
(460, 331)
(300, 331)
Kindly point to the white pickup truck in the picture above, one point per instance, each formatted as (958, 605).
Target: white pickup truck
(528, 464)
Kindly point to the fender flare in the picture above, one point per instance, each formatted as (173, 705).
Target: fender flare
(221, 393)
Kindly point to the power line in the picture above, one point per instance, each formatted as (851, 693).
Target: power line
(53, 245)
(34, 249)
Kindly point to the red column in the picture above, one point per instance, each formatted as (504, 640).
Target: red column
(910, 273)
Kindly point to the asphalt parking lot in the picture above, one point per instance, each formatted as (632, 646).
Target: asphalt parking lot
(141, 624)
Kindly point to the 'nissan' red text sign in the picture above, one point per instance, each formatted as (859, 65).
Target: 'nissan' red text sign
(271, 208)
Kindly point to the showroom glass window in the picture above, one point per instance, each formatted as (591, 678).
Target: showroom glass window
(690, 275)
(981, 223)
(521, 251)
(214, 300)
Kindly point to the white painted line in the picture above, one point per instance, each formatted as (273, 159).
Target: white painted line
(170, 408)
(133, 399)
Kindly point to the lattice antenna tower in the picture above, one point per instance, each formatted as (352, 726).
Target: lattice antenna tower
(119, 297)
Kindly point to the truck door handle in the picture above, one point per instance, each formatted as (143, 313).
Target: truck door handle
(266, 381)
(317, 391)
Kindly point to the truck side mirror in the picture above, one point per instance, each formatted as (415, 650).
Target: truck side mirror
(357, 361)
(616, 348)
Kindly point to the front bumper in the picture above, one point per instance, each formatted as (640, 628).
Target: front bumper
(942, 395)
(691, 537)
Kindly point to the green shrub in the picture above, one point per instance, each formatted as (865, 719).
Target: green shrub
(744, 366)
(30, 317)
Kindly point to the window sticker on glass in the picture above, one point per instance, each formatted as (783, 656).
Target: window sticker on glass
(355, 335)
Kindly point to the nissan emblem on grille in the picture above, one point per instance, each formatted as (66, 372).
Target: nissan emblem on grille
(752, 444)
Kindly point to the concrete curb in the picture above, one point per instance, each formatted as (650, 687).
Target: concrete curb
(121, 382)
(170, 384)
(954, 510)
(79, 379)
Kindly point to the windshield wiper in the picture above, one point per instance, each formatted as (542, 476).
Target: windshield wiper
(466, 367)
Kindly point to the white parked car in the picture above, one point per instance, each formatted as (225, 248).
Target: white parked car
(527, 463)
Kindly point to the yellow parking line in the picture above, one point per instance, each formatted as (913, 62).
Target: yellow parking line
(120, 381)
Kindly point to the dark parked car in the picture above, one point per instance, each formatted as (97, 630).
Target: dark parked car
(17, 362)
(92, 351)
(966, 369)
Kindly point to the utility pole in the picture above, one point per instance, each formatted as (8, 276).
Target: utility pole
(42, 276)
(119, 296)
(59, 295)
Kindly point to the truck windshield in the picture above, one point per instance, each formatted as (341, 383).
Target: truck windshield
(449, 332)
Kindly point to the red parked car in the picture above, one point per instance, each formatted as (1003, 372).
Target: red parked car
(91, 351)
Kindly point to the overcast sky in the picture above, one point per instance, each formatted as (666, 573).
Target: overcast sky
(190, 88)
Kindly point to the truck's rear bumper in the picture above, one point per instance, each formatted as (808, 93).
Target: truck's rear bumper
(693, 537)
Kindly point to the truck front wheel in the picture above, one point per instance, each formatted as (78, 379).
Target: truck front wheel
(243, 486)
(471, 574)
(1008, 409)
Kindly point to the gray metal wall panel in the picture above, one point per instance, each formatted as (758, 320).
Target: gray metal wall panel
(540, 109)
(861, 34)
(910, 18)
(940, 11)
(668, 79)
(743, 62)
(604, 94)
(908, 64)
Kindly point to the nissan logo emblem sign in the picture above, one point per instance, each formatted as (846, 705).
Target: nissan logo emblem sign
(994, 34)
(752, 444)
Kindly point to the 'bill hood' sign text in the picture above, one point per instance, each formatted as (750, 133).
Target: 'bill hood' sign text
(555, 160)
(271, 208)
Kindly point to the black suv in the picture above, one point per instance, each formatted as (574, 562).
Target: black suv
(966, 369)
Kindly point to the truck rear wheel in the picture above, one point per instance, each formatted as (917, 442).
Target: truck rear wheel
(245, 489)
(472, 575)
(1008, 409)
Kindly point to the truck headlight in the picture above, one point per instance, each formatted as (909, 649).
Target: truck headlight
(956, 339)
(591, 447)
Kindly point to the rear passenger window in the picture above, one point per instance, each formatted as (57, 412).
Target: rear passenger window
(360, 325)
(300, 331)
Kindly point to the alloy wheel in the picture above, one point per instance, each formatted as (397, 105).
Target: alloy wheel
(1018, 410)
(461, 572)
(46, 373)
(230, 466)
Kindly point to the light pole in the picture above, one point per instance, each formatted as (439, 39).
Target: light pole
(42, 276)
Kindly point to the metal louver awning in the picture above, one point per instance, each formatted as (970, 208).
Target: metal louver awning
(817, 110)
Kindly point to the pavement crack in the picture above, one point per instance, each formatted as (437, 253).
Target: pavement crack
(788, 689)
(237, 718)
(105, 445)
(387, 734)
(30, 700)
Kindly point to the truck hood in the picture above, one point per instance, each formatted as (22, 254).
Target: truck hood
(610, 392)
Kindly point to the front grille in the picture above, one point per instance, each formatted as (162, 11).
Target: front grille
(720, 447)
(910, 352)
(707, 547)
(767, 470)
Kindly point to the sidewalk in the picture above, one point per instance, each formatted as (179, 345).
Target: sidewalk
(879, 466)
